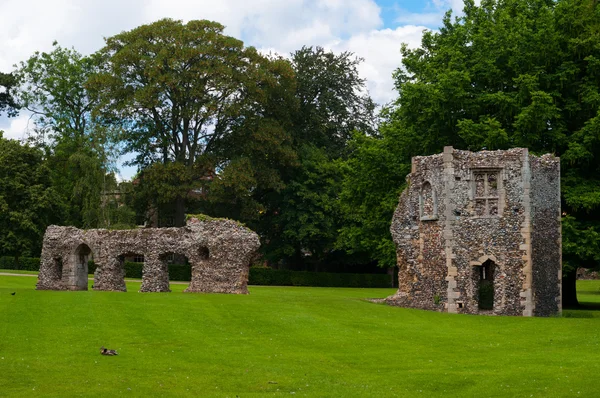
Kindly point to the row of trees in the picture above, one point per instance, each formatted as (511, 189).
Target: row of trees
(213, 126)
(293, 147)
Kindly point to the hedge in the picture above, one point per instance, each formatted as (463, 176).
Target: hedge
(258, 276)
(274, 277)
(24, 264)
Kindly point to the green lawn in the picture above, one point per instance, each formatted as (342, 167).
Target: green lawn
(283, 341)
(18, 271)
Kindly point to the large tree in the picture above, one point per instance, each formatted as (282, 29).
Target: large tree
(510, 73)
(374, 176)
(185, 90)
(301, 223)
(28, 202)
(52, 88)
(333, 99)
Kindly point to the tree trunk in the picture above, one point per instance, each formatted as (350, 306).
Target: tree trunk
(179, 212)
(392, 272)
(569, 289)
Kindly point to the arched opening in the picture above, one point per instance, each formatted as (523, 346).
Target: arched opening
(80, 267)
(486, 285)
(132, 264)
(177, 266)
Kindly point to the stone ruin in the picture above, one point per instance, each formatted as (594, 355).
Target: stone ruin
(480, 233)
(219, 252)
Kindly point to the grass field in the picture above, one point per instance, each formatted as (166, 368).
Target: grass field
(285, 341)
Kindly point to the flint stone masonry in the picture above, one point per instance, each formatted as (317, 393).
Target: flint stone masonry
(219, 252)
(469, 219)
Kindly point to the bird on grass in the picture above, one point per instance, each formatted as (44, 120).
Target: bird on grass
(13, 293)
(106, 351)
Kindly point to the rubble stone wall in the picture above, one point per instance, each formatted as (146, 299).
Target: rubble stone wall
(485, 204)
(219, 252)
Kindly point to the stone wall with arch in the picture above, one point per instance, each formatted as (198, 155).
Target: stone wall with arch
(474, 220)
(219, 252)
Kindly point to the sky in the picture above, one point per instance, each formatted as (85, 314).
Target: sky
(372, 29)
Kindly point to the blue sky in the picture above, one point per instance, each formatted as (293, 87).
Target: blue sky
(372, 29)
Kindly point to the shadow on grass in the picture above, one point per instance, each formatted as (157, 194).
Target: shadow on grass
(584, 310)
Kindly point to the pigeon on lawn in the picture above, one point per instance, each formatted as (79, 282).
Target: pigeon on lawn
(106, 351)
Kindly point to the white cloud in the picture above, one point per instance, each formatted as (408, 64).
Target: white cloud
(281, 26)
(16, 128)
(381, 52)
(414, 18)
(32, 26)
(285, 25)
(456, 5)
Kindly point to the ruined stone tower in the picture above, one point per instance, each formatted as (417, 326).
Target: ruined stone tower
(479, 232)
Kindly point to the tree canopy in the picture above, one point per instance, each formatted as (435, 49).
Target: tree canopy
(333, 99)
(300, 225)
(78, 146)
(507, 73)
(8, 104)
(186, 92)
(28, 202)
(294, 147)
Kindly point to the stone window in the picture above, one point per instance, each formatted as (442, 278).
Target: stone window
(138, 258)
(486, 192)
(428, 203)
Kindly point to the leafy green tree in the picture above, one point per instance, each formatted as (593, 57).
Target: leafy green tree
(116, 210)
(300, 224)
(577, 79)
(52, 88)
(158, 186)
(185, 90)
(373, 179)
(7, 101)
(257, 157)
(28, 202)
(333, 99)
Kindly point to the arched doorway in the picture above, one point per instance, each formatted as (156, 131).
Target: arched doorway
(80, 267)
(177, 266)
(132, 264)
(485, 294)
